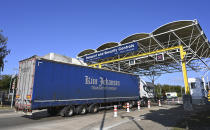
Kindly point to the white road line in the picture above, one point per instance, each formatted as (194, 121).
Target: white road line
(13, 114)
(122, 122)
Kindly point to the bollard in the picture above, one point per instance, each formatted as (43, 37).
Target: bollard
(178, 101)
(159, 103)
(187, 102)
(148, 104)
(139, 105)
(115, 110)
(128, 107)
(172, 100)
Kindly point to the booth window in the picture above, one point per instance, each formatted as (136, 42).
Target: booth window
(192, 85)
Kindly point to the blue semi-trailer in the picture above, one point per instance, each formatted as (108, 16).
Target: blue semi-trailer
(68, 88)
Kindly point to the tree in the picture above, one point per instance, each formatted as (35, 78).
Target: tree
(3, 51)
(5, 82)
(153, 76)
(159, 89)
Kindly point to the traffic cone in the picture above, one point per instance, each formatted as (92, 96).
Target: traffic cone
(139, 106)
(128, 106)
(159, 103)
(178, 101)
(148, 103)
(115, 110)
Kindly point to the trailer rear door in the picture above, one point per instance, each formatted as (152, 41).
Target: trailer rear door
(25, 84)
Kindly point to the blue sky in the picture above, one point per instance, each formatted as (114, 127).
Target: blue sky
(38, 27)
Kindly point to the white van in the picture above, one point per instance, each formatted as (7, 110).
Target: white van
(171, 94)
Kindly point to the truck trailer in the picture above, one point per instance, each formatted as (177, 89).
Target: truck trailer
(66, 89)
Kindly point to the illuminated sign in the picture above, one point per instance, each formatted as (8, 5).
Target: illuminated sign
(160, 57)
(111, 52)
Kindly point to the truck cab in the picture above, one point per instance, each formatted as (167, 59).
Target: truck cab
(146, 91)
(197, 90)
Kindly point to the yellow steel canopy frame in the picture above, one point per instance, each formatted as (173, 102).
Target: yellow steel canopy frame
(182, 55)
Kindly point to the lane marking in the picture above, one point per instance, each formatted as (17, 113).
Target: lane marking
(3, 115)
(122, 122)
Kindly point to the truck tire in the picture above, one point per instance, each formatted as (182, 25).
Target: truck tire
(93, 108)
(81, 110)
(52, 111)
(67, 111)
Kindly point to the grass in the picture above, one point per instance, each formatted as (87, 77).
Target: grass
(4, 107)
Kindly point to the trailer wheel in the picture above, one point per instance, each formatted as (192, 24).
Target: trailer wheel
(93, 108)
(70, 111)
(52, 111)
(82, 109)
(67, 111)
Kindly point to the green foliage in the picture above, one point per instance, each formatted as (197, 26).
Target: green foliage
(3, 51)
(161, 89)
(5, 82)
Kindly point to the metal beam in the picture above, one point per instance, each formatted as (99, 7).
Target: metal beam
(184, 70)
(191, 50)
(182, 56)
(136, 56)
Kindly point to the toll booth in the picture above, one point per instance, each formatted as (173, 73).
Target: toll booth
(179, 46)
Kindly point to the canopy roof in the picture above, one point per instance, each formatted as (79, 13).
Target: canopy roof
(134, 37)
(85, 52)
(187, 33)
(172, 26)
(107, 45)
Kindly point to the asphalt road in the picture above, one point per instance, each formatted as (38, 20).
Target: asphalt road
(164, 117)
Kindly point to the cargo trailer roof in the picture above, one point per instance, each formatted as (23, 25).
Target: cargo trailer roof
(40, 58)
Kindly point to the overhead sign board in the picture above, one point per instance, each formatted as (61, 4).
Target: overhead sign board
(132, 62)
(111, 52)
(160, 57)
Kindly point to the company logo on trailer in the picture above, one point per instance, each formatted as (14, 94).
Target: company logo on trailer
(101, 81)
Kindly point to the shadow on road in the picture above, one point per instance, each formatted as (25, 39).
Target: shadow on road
(166, 117)
(103, 120)
(38, 115)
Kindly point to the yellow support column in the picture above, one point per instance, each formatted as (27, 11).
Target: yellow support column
(184, 70)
